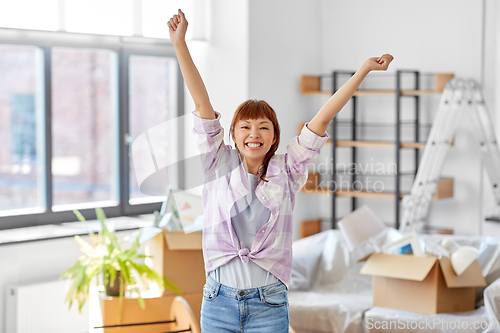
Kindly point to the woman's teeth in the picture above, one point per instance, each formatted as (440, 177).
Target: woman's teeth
(254, 145)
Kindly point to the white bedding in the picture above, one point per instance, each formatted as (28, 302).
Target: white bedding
(327, 293)
(314, 312)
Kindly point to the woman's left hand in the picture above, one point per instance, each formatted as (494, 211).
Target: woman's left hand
(378, 63)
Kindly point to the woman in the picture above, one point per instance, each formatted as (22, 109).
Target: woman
(248, 199)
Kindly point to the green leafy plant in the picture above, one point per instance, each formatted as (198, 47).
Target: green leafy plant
(105, 258)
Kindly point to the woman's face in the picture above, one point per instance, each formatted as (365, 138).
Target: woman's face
(254, 137)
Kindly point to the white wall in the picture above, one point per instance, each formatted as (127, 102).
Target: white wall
(35, 262)
(491, 84)
(430, 36)
(284, 43)
(222, 59)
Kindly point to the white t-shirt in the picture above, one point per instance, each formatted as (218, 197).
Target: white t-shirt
(248, 216)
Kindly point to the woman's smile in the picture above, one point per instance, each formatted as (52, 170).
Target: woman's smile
(254, 145)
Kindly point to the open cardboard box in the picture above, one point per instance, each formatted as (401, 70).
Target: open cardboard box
(423, 285)
(178, 256)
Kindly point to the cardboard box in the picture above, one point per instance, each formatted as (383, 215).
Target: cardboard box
(178, 256)
(104, 313)
(423, 285)
(313, 181)
(310, 227)
(444, 189)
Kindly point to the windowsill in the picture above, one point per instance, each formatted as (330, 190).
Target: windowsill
(70, 229)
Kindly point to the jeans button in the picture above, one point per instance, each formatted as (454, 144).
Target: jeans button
(242, 293)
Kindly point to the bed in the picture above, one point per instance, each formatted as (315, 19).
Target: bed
(327, 293)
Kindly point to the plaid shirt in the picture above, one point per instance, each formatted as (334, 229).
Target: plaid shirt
(226, 182)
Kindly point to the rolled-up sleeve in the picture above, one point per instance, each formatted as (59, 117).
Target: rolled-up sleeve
(214, 153)
(301, 150)
(209, 131)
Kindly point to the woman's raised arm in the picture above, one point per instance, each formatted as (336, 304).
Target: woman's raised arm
(177, 27)
(333, 106)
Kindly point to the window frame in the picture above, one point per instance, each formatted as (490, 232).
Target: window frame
(124, 48)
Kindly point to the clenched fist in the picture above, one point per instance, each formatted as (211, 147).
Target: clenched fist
(177, 27)
(378, 64)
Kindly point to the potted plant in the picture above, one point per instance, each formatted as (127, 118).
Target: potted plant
(104, 259)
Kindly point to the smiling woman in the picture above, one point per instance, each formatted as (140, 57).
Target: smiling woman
(256, 134)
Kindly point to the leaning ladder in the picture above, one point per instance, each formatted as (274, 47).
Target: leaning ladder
(457, 96)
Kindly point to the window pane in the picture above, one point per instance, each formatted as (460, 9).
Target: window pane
(20, 107)
(153, 101)
(29, 14)
(83, 125)
(156, 13)
(109, 17)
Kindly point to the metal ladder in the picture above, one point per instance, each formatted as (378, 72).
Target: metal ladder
(459, 95)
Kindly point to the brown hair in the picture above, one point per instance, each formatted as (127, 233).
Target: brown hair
(254, 109)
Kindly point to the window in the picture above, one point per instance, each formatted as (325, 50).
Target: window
(138, 18)
(68, 112)
(154, 18)
(83, 110)
(30, 14)
(20, 165)
(23, 129)
(152, 102)
(110, 17)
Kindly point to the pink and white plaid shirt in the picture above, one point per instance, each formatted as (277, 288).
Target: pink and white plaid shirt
(226, 182)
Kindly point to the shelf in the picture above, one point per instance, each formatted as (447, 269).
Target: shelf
(374, 92)
(348, 173)
(350, 193)
(348, 123)
(366, 194)
(311, 85)
(419, 92)
(444, 190)
(349, 143)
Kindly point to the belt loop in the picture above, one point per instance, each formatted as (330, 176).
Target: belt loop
(216, 292)
(261, 294)
(218, 282)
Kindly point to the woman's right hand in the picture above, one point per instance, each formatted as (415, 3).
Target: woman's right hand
(177, 27)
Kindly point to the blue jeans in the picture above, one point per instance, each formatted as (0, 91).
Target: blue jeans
(257, 310)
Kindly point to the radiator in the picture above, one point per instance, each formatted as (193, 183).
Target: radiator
(40, 308)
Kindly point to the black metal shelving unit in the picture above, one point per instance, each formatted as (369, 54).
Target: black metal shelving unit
(398, 142)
